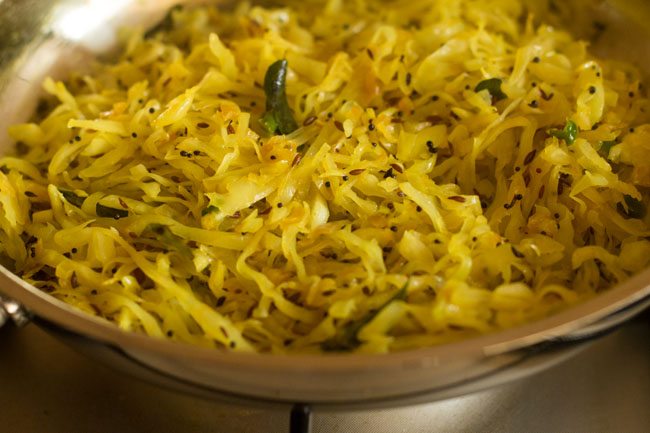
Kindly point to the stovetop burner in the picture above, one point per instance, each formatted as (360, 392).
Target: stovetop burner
(47, 387)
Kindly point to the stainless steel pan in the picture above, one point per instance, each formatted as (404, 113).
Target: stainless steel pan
(40, 37)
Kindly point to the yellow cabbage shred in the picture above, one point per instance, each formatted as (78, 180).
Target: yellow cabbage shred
(408, 209)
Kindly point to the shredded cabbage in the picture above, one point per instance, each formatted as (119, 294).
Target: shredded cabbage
(458, 169)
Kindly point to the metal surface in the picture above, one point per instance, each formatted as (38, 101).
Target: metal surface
(49, 388)
(10, 309)
(4, 317)
(66, 34)
(300, 419)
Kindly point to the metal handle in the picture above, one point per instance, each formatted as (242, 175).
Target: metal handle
(10, 309)
(300, 419)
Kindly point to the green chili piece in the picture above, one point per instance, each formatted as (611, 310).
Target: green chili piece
(278, 118)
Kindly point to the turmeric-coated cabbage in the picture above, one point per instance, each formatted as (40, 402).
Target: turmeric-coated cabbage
(334, 176)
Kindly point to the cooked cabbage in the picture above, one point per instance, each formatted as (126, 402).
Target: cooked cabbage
(457, 168)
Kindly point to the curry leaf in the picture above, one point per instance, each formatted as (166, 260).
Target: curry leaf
(633, 208)
(72, 198)
(208, 210)
(168, 240)
(347, 339)
(492, 85)
(568, 134)
(605, 147)
(109, 212)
